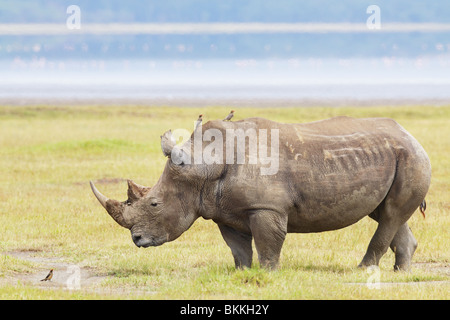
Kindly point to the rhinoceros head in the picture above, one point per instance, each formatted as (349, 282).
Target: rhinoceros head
(151, 218)
(163, 212)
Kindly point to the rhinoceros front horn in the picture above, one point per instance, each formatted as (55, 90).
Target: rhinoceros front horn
(100, 197)
(113, 207)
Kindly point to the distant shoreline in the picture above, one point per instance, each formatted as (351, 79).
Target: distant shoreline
(239, 102)
(213, 28)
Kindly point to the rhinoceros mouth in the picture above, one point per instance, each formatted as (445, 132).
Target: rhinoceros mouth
(145, 245)
(148, 242)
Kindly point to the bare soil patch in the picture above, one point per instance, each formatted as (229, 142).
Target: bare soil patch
(72, 276)
(65, 275)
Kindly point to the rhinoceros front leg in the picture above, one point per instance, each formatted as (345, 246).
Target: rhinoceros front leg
(269, 230)
(240, 244)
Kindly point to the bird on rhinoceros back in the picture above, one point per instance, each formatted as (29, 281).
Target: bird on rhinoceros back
(199, 121)
(229, 116)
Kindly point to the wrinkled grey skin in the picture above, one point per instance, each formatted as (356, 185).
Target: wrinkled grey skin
(331, 174)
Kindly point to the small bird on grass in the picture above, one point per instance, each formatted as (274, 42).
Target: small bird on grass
(49, 276)
(228, 118)
(199, 121)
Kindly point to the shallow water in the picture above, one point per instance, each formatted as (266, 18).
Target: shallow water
(296, 79)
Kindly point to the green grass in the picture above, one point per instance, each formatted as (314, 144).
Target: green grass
(48, 155)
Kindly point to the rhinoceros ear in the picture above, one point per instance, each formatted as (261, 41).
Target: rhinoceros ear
(169, 148)
(136, 191)
(167, 143)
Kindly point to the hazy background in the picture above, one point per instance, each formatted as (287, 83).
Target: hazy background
(159, 67)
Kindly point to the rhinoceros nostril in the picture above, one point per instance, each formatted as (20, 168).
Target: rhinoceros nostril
(136, 237)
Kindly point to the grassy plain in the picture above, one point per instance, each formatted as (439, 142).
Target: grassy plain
(48, 213)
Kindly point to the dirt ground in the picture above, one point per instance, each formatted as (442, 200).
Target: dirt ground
(65, 275)
(76, 276)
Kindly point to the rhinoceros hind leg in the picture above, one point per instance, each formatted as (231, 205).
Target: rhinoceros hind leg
(404, 244)
(240, 244)
(392, 214)
(379, 244)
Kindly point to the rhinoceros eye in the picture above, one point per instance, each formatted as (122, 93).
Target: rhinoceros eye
(154, 204)
(128, 203)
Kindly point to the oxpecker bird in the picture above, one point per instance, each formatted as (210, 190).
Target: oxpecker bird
(228, 118)
(198, 122)
(49, 276)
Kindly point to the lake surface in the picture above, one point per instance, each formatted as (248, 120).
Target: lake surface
(421, 79)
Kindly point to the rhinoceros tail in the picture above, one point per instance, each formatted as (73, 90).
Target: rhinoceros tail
(423, 207)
